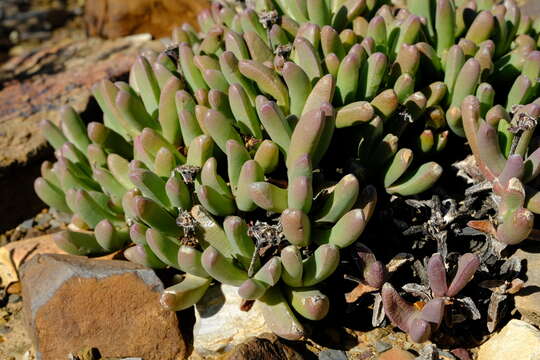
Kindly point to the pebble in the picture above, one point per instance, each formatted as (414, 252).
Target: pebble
(55, 223)
(43, 218)
(332, 355)
(14, 298)
(381, 346)
(26, 225)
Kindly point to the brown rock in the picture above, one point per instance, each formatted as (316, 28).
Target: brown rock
(34, 87)
(112, 18)
(264, 347)
(396, 354)
(72, 302)
(528, 298)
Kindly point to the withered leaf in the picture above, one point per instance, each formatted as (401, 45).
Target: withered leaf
(356, 293)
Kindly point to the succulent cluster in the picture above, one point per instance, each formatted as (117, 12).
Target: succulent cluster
(501, 147)
(239, 153)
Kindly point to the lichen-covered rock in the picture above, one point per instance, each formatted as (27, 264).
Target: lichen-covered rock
(71, 303)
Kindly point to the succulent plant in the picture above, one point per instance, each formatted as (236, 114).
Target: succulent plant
(218, 157)
(374, 272)
(503, 152)
(483, 45)
(420, 320)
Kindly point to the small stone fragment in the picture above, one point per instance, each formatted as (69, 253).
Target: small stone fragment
(381, 346)
(461, 354)
(331, 354)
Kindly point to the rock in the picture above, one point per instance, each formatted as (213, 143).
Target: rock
(461, 354)
(528, 298)
(332, 355)
(15, 254)
(396, 354)
(14, 298)
(220, 324)
(517, 340)
(113, 19)
(264, 347)
(34, 87)
(71, 303)
(381, 346)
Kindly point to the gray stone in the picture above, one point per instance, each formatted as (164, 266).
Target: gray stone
(332, 355)
(381, 346)
(43, 218)
(26, 225)
(14, 298)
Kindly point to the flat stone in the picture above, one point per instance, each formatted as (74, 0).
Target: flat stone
(517, 340)
(113, 18)
(264, 347)
(72, 303)
(220, 324)
(381, 346)
(34, 87)
(528, 298)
